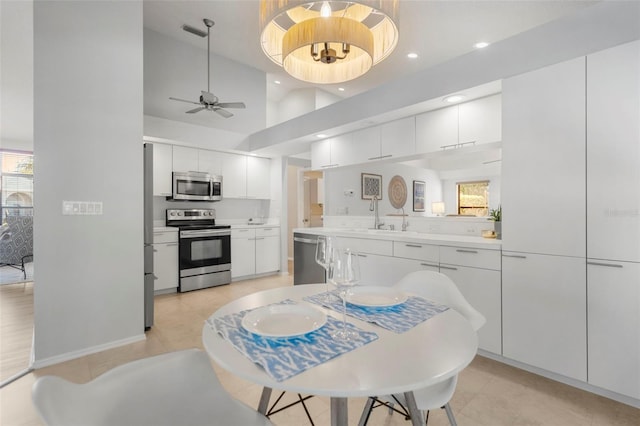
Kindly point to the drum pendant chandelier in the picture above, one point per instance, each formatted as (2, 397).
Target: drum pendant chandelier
(328, 41)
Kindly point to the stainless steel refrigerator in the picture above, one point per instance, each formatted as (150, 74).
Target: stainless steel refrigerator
(148, 235)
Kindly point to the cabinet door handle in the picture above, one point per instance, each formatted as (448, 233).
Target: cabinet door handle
(262, 238)
(467, 251)
(413, 245)
(609, 265)
(362, 255)
(517, 256)
(429, 264)
(380, 157)
(172, 244)
(448, 267)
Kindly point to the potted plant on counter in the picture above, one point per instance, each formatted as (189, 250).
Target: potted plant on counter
(496, 216)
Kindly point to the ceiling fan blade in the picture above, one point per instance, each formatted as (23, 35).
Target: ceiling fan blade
(231, 105)
(184, 100)
(223, 112)
(193, 111)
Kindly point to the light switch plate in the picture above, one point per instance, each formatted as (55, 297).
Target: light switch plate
(84, 208)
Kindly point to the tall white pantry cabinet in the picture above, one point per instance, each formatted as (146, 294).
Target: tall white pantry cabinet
(543, 199)
(613, 219)
(571, 226)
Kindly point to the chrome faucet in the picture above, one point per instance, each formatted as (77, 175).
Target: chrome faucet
(405, 222)
(376, 216)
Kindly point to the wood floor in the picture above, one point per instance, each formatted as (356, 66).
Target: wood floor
(488, 393)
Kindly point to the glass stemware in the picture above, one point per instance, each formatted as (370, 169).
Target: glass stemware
(323, 258)
(344, 273)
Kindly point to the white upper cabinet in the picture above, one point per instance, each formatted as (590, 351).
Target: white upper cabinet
(185, 159)
(333, 152)
(435, 129)
(258, 177)
(209, 162)
(234, 175)
(321, 154)
(341, 150)
(613, 153)
(398, 138)
(480, 121)
(475, 122)
(365, 145)
(543, 161)
(162, 168)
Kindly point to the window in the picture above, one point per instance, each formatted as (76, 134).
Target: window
(473, 198)
(16, 184)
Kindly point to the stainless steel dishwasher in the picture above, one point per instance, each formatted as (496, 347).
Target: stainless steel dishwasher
(305, 268)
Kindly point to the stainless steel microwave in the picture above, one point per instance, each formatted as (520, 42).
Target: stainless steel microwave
(196, 186)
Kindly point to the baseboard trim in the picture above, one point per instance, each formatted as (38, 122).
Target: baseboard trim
(68, 356)
(563, 379)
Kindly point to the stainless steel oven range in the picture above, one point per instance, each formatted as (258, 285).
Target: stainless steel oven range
(204, 248)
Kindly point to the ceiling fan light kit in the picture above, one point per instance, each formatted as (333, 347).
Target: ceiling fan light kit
(327, 42)
(208, 100)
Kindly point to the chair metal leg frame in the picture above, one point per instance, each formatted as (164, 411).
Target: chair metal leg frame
(300, 400)
(374, 402)
(447, 409)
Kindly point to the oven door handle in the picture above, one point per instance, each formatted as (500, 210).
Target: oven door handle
(204, 233)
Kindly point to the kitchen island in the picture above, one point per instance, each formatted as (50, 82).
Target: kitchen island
(472, 262)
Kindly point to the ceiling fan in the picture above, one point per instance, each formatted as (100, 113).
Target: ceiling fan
(208, 100)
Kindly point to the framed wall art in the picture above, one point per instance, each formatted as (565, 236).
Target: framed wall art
(371, 186)
(418, 195)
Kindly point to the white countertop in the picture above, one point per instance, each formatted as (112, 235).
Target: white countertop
(409, 236)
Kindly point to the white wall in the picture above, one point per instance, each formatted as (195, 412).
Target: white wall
(180, 133)
(179, 70)
(296, 103)
(87, 143)
(337, 181)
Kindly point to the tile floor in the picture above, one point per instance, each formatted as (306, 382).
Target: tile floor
(488, 394)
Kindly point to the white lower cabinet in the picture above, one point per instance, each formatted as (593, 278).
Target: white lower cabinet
(544, 312)
(243, 252)
(481, 288)
(254, 251)
(165, 260)
(614, 326)
(267, 250)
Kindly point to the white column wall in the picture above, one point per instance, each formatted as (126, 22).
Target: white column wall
(88, 118)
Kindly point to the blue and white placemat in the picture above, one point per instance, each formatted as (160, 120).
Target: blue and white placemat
(398, 318)
(283, 358)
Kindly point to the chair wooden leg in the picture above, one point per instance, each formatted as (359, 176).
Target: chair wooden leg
(449, 412)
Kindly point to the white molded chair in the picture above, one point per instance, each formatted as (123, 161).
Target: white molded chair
(177, 388)
(438, 288)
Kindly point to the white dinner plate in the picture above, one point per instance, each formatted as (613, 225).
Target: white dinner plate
(283, 320)
(377, 297)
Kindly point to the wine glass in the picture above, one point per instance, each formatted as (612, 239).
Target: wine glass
(323, 258)
(344, 273)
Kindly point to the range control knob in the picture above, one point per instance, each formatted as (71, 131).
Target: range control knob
(179, 213)
(172, 213)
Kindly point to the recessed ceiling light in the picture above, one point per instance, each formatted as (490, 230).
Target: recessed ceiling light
(341, 89)
(277, 81)
(481, 45)
(412, 55)
(454, 98)
(321, 135)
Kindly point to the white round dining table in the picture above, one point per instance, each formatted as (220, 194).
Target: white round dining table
(430, 352)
